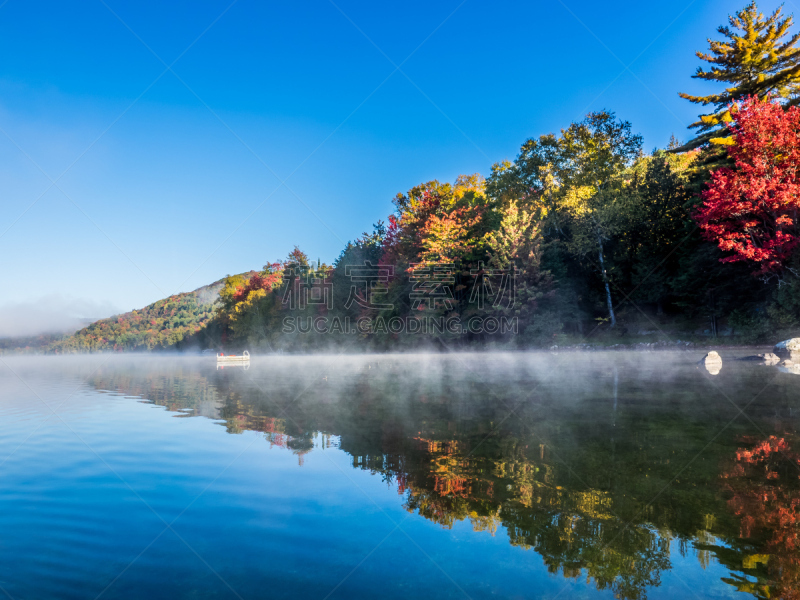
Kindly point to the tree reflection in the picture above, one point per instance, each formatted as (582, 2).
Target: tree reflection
(575, 532)
(589, 485)
(763, 486)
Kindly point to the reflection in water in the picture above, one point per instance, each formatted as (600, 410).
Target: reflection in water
(603, 469)
(233, 366)
(790, 367)
(763, 491)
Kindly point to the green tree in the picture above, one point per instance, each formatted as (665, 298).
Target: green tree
(595, 155)
(530, 179)
(755, 59)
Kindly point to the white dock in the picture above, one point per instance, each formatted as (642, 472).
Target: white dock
(233, 359)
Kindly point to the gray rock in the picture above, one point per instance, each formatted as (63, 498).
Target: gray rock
(788, 349)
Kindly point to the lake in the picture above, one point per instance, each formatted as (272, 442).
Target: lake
(530, 475)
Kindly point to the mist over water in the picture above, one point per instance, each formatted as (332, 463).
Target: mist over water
(524, 475)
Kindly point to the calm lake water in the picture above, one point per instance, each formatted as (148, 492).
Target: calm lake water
(423, 476)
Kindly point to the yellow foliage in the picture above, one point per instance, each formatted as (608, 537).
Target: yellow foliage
(251, 299)
(722, 141)
(752, 561)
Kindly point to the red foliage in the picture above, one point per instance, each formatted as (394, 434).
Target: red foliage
(752, 209)
(395, 245)
(259, 281)
(405, 231)
(391, 243)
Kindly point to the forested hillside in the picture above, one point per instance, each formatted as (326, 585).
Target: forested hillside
(164, 324)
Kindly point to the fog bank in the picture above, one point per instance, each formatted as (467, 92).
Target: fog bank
(52, 313)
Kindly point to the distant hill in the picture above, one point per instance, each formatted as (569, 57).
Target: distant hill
(32, 344)
(161, 325)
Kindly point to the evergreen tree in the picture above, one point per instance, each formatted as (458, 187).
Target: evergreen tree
(755, 59)
(658, 225)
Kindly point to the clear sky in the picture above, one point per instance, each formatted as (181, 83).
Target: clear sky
(190, 140)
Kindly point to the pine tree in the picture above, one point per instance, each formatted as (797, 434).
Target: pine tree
(756, 59)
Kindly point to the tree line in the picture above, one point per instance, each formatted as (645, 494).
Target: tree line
(583, 236)
(599, 237)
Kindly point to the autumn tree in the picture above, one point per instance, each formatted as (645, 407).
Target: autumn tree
(515, 246)
(757, 57)
(297, 258)
(439, 222)
(752, 209)
(245, 299)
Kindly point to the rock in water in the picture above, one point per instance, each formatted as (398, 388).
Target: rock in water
(712, 362)
(788, 349)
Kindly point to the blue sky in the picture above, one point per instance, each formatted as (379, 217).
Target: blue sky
(171, 179)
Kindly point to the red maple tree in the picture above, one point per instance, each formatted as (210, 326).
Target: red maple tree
(752, 208)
